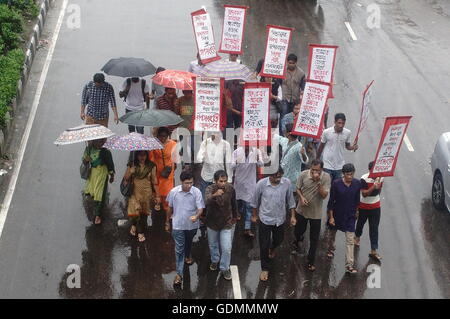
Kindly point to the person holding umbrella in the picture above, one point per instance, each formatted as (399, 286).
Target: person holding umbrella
(102, 167)
(96, 97)
(135, 94)
(142, 174)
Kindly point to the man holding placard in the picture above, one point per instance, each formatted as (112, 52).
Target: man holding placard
(332, 144)
(292, 86)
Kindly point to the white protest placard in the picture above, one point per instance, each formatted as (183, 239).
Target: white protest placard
(233, 29)
(255, 113)
(389, 147)
(365, 110)
(277, 46)
(321, 62)
(204, 36)
(207, 104)
(309, 122)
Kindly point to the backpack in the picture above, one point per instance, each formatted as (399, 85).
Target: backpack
(123, 94)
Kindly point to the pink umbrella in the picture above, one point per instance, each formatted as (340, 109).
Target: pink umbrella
(175, 79)
(133, 142)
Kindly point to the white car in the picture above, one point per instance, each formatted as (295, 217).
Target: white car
(440, 166)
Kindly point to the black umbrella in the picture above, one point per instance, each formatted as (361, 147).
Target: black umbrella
(129, 67)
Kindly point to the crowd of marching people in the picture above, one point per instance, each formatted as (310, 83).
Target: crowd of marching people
(233, 186)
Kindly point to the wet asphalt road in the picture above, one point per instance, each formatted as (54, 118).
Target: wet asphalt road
(49, 226)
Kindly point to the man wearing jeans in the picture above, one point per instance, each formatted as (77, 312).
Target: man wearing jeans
(313, 186)
(135, 93)
(342, 206)
(370, 209)
(272, 198)
(245, 162)
(221, 213)
(332, 144)
(185, 208)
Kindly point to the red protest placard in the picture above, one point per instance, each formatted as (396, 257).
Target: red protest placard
(207, 104)
(255, 114)
(309, 121)
(321, 61)
(204, 36)
(277, 46)
(233, 29)
(389, 147)
(365, 110)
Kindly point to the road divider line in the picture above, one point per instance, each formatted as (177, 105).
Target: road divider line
(236, 283)
(408, 143)
(350, 30)
(23, 143)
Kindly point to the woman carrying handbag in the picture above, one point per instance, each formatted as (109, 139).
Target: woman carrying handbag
(144, 194)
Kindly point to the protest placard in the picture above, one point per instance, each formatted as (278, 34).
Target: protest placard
(233, 29)
(309, 121)
(255, 114)
(207, 104)
(365, 110)
(389, 147)
(321, 63)
(277, 46)
(204, 36)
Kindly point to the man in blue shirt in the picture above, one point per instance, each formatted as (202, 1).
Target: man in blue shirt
(273, 196)
(342, 207)
(96, 97)
(185, 208)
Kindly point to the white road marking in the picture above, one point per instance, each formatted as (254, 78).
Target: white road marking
(350, 30)
(408, 143)
(26, 135)
(236, 283)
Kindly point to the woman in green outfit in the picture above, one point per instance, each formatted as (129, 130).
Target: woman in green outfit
(102, 166)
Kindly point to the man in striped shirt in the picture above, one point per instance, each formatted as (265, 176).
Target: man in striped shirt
(97, 96)
(369, 209)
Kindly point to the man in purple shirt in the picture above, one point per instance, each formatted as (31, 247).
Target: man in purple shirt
(342, 207)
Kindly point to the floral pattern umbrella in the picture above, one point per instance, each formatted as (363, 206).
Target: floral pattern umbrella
(226, 69)
(176, 79)
(83, 133)
(133, 142)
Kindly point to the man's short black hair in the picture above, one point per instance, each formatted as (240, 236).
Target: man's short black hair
(99, 78)
(279, 171)
(185, 175)
(289, 127)
(317, 161)
(292, 57)
(371, 164)
(163, 129)
(339, 116)
(219, 174)
(348, 168)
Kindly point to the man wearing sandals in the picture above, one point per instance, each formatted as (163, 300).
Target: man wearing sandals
(313, 186)
(185, 208)
(272, 197)
(342, 206)
(370, 209)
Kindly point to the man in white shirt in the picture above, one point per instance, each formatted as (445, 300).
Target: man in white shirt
(215, 154)
(196, 66)
(332, 144)
(135, 94)
(245, 162)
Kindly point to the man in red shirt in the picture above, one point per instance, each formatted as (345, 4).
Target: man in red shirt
(369, 209)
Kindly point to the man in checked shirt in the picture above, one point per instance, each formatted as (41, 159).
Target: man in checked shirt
(97, 96)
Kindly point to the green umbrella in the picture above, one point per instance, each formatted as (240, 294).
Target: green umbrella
(154, 118)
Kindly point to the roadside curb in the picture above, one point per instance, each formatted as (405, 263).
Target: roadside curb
(30, 54)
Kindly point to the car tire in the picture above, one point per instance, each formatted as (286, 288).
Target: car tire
(437, 192)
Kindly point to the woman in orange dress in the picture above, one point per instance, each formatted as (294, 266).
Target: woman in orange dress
(164, 160)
